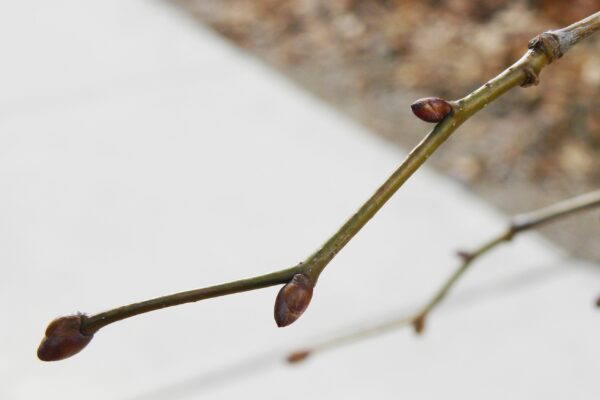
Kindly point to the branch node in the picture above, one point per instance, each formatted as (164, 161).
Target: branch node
(431, 109)
(531, 77)
(464, 255)
(513, 229)
(298, 356)
(548, 43)
(418, 323)
(516, 225)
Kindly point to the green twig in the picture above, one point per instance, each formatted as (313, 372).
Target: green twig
(542, 51)
(523, 72)
(91, 324)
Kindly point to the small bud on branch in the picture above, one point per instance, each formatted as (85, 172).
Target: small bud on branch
(431, 109)
(293, 299)
(464, 255)
(419, 323)
(63, 339)
(298, 356)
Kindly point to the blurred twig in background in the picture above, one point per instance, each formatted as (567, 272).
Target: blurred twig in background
(517, 225)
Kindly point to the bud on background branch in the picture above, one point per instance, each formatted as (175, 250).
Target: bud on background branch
(298, 356)
(518, 224)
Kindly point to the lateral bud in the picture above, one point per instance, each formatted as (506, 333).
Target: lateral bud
(63, 339)
(431, 109)
(419, 323)
(464, 255)
(293, 299)
(298, 356)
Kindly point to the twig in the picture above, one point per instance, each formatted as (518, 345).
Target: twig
(543, 50)
(518, 224)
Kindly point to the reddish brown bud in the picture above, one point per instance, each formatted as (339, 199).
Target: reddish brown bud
(298, 356)
(464, 255)
(63, 339)
(293, 299)
(419, 324)
(431, 109)
(598, 302)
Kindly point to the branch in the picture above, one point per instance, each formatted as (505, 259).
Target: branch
(518, 224)
(295, 296)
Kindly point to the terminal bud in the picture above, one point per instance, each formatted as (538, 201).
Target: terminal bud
(63, 339)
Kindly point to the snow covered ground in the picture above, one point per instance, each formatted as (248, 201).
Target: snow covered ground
(142, 155)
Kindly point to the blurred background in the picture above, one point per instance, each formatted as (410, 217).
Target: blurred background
(372, 58)
(144, 153)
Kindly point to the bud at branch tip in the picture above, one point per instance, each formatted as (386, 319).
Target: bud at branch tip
(63, 339)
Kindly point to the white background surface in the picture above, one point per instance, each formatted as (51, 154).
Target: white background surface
(141, 155)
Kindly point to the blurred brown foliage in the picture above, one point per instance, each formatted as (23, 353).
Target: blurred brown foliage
(446, 48)
(372, 58)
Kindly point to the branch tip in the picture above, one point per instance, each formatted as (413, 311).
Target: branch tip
(464, 255)
(63, 338)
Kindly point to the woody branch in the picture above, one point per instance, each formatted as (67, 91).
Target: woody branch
(67, 336)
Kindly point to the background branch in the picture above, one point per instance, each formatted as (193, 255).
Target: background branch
(518, 224)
